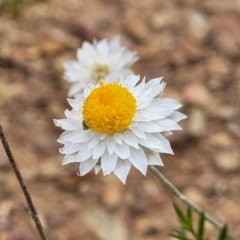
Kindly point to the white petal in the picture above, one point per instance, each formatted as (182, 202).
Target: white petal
(85, 136)
(151, 142)
(67, 124)
(139, 160)
(114, 43)
(73, 114)
(102, 48)
(131, 81)
(127, 59)
(118, 137)
(152, 113)
(125, 72)
(87, 166)
(87, 90)
(177, 116)
(108, 162)
(115, 59)
(111, 143)
(153, 82)
(150, 126)
(148, 99)
(85, 154)
(144, 116)
(99, 149)
(94, 141)
(167, 133)
(165, 143)
(75, 104)
(130, 138)
(145, 126)
(69, 158)
(103, 136)
(78, 136)
(168, 103)
(137, 131)
(122, 150)
(122, 169)
(70, 148)
(86, 54)
(153, 158)
(145, 98)
(168, 124)
(62, 135)
(76, 88)
(72, 71)
(137, 90)
(97, 169)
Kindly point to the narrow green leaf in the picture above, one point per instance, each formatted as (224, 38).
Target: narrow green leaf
(179, 213)
(201, 226)
(186, 225)
(180, 235)
(189, 218)
(223, 233)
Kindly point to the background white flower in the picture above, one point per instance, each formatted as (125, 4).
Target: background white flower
(118, 123)
(96, 61)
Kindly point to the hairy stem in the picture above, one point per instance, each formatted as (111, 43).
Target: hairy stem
(25, 191)
(166, 183)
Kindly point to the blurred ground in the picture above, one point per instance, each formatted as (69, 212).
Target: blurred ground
(194, 44)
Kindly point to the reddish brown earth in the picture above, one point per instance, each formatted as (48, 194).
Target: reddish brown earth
(194, 45)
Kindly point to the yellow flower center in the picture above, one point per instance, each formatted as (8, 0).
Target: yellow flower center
(100, 71)
(109, 108)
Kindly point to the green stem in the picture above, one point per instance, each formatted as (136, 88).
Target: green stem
(166, 183)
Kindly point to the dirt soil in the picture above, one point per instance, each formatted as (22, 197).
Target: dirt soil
(194, 45)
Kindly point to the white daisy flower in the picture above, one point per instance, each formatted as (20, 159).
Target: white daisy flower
(118, 123)
(96, 61)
